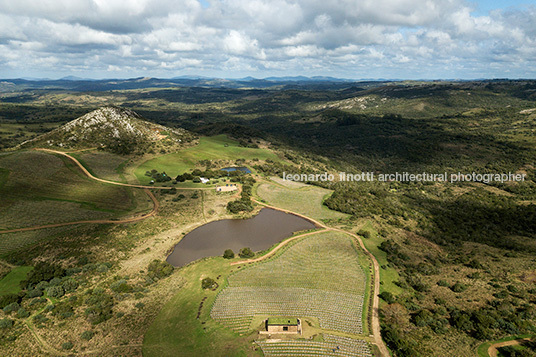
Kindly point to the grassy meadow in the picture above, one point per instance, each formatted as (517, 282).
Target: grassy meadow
(9, 284)
(214, 148)
(177, 331)
(304, 199)
(43, 189)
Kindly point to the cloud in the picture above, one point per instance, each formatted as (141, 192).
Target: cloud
(399, 38)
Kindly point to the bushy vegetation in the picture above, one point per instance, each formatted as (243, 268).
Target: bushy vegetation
(228, 254)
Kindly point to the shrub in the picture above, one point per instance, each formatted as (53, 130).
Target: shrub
(8, 299)
(67, 345)
(70, 285)
(387, 297)
(443, 283)
(458, 287)
(42, 285)
(228, 254)
(121, 286)
(139, 305)
(363, 233)
(6, 323)
(22, 313)
(55, 291)
(100, 306)
(246, 253)
(34, 293)
(14, 306)
(208, 283)
(87, 335)
(159, 269)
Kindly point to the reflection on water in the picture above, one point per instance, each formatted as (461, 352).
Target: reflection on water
(260, 232)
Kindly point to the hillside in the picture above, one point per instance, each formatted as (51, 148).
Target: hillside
(113, 129)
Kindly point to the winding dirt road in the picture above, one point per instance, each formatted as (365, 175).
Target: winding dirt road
(493, 349)
(154, 211)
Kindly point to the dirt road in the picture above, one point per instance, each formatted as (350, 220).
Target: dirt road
(493, 349)
(156, 206)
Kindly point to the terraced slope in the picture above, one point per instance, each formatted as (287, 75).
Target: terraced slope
(319, 276)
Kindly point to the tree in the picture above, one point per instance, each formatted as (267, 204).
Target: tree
(387, 297)
(246, 253)
(228, 254)
(208, 283)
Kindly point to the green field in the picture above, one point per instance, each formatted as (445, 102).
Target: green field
(10, 284)
(304, 199)
(176, 330)
(388, 275)
(44, 189)
(104, 165)
(215, 148)
(299, 283)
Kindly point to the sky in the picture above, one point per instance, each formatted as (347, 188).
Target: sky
(355, 39)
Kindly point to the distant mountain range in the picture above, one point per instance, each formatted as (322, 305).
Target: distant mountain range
(85, 84)
(73, 83)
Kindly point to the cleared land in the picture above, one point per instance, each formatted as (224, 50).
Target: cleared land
(10, 284)
(218, 147)
(304, 199)
(299, 283)
(103, 164)
(44, 189)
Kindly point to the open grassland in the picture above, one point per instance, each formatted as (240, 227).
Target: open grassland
(41, 188)
(305, 199)
(299, 282)
(178, 329)
(218, 147)
(11, 243)
(10, 284)
(388, 275)
(103, 165)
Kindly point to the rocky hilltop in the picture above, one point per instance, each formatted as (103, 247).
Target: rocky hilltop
(114, 129)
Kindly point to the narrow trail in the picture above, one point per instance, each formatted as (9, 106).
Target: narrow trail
(375, 318)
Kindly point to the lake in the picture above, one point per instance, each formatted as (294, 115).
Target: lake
(258, 233)
(241, 168)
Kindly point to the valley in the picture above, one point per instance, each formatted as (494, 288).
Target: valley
(89, 218)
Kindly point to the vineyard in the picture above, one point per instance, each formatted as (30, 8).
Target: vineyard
(331, 346)
(319, 276)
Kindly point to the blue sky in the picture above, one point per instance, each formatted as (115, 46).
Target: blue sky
(358, 39)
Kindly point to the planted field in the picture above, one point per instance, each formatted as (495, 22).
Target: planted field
(304, 199)
(218, 147)
(300, 283)
(331, 346)
(41, 188)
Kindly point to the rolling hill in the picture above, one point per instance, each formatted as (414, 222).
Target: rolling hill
(113, 129)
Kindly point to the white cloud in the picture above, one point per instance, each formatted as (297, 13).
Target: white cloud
(260, 37)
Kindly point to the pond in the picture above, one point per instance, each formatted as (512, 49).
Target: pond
(258, 233)
(241, 168)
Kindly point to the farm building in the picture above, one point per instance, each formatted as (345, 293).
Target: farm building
(283, 325)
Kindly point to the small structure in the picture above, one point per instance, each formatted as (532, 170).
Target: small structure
(286, 325)
(204, 180)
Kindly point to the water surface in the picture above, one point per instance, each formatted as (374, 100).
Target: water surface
(260, 232)
(241, 168)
